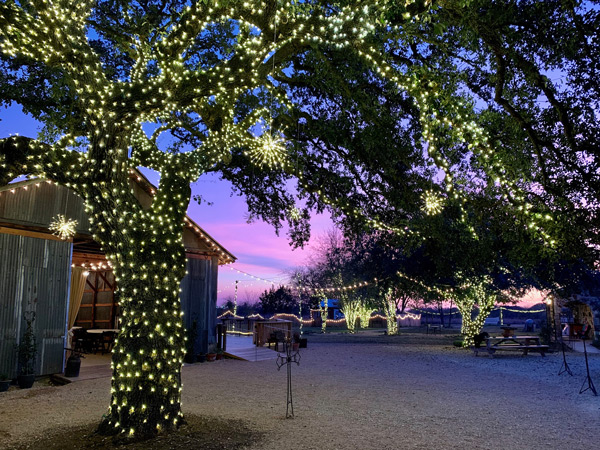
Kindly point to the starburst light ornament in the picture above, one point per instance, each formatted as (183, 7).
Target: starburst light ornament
(295, 214)
(433, 203)
(62, 227)
(270, 151)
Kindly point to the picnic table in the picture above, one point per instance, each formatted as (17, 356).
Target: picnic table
(433, 328)
(525, 344)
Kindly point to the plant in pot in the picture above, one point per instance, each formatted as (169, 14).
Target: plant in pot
(211, 355)
(27, 351)
(73, 364)
(4, 382)
(219, 353)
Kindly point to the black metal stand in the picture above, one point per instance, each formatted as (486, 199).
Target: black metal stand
(565, 365)
(290, 356)
(590, 383)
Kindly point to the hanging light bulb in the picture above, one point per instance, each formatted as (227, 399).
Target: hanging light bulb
(62, 227)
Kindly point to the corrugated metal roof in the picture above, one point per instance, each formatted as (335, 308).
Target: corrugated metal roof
(36, 203)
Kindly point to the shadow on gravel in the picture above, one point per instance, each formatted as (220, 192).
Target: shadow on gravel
(205, 433)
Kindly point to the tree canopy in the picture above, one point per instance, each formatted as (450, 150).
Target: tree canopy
(388, 113)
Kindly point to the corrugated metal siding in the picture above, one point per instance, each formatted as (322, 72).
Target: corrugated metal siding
(34, 275)
(39, 205)
(199, 300)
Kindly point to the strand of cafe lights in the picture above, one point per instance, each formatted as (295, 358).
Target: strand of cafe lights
(349, 287)
(497, 308)
(230, 315)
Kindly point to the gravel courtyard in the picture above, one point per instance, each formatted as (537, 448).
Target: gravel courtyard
(366, 391)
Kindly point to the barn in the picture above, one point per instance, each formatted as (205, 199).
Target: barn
(69, 283)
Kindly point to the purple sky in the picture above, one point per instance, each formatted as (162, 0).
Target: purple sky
(259, 250)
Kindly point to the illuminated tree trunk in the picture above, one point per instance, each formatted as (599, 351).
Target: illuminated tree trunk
(145, 248)
(475, 295)
(390, 313)
(350, 309)
(323, 310)
(364, 315)
(147, 356)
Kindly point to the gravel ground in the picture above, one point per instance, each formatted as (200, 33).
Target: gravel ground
(365, 391)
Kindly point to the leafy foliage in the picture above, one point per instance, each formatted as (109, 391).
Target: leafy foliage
(280, 300)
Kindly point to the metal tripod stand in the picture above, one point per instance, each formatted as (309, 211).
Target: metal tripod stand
(590, 383)
(565, 365)
(286, 359)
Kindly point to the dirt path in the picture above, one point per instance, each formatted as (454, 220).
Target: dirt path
(360, 392)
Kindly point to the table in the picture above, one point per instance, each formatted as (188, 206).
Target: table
(103, 339)
(516, 340)
(434, 328)
(523, 343)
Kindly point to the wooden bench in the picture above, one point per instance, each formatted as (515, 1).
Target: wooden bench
(491, 349)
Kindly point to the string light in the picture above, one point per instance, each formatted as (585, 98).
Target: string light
(314, 289)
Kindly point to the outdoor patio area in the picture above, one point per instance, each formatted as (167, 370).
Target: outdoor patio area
(356, 392)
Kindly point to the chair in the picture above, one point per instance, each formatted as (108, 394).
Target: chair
(275, 338)
(82, 341)
(108, 341)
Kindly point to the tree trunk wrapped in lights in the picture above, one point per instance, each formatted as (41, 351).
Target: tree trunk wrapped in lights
(390, 312)
(323, 310)
(472, 296)
(350, 307)
(364, 313)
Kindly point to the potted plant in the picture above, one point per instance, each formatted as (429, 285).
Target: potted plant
(27, 351)
(73, 364)
(4, 382)
(219, 353)
(211, 354)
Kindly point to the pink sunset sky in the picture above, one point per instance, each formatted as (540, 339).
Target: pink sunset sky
(259, 250)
